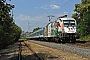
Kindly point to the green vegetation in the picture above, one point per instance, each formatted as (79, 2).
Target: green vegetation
(85, 38)
(82, 16)
(9, 31)
(35, 29)
(23, 35)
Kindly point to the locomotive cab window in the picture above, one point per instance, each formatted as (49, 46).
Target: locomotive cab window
(69, 22)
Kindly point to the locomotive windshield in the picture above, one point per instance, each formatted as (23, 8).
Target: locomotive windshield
(69, 22)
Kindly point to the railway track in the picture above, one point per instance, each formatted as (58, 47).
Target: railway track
(24, 44)
(80, 44)
(45, 50)
(79, 48)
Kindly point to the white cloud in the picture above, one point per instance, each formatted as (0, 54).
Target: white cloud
(65, 12)
(23, 17)
(35, 18)
(36, 21)
(36, 7)
(44, 7)
(55, 6)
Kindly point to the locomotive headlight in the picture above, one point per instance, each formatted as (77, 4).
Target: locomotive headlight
(75, 28)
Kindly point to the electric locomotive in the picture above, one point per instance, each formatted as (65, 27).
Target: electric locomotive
(63, 29)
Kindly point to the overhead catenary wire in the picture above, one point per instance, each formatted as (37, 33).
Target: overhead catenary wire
(62, 6)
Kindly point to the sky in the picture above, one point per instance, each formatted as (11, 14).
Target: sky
(30, 14)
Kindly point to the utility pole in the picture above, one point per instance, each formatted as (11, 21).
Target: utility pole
(50, 17)
(28, 26)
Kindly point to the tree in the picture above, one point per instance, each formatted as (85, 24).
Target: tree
(35, 29)
(9, 31)
(82, 16)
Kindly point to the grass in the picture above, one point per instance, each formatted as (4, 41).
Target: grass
(85, 38)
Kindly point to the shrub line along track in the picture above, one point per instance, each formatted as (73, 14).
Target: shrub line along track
(20, 51)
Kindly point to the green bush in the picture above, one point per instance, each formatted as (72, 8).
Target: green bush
(85, 38)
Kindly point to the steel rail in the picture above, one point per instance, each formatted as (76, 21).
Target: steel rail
(20, 50)
(33, 52)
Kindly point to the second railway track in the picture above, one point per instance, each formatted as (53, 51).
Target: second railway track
(24, 46)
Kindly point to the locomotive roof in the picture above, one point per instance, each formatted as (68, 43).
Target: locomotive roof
(67, 18)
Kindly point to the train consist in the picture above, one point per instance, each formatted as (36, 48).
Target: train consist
(63, 29)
